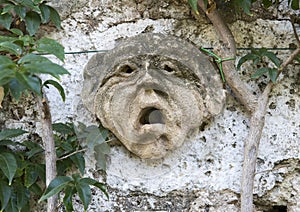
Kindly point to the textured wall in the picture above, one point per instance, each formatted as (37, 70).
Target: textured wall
(204, 174)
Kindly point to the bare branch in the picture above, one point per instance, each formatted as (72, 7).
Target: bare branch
(72, 153)
(49, 145)
(295, 31)
(289, 60)
(239, 88)
(257, 123)
(254, 137)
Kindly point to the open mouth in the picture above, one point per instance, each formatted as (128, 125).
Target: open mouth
(151, 115)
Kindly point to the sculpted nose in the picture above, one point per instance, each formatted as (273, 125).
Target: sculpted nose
(146, 78)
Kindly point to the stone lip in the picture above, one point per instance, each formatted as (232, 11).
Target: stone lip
(152, 73)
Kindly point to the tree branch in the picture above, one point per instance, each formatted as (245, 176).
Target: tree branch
(253, 140)
(49, 145)
(239, 88)
(72, 153)
(294, 30)
(251, 145)
(258, 108)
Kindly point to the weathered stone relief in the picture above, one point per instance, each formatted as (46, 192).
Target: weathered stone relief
(152, 91)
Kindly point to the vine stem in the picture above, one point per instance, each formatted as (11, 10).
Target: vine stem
(49, 145)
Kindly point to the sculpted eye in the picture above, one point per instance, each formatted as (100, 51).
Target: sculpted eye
(169, 68)
(126, 69)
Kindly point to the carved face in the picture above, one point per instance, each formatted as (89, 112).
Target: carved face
(152, 91)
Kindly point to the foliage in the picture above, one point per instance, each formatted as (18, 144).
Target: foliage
(19, 63)
(95, 139)
(21, 173)
(22, 170)
(31, 13)
(258, 57)
(72, 185)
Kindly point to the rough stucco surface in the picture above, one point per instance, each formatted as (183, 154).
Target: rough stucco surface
(204, 173)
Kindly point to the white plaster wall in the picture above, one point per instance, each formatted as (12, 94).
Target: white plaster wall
(205, 172)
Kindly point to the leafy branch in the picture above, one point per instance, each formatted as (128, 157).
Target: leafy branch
(257, 108)
(22, 172)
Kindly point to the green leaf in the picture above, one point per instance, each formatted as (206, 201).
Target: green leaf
(245, 5)
(50, 46)
(62, 128)
(32, 21)
(16, 31)
(11, 48)
(6, 62)
(7, 8)
(5, 20)
(84, 193)
(20, 11)
(54, 17)
(5, 76)
(11, 206)
(30, 4)
(194, 5)
(45, 68)
(273, 74)
(95, 183)
(32, 58)
(273, 58)
(7, 38)
(57, 86)
(22, 196)
(34, 151)
(8, 142)
(26, 40)
(100, 151)
(16, 89)
(94, 137)
(41, 170)
(36, 189)
(260, 72)
(55, 186)
(79, 161)
(5, 194)
(245, 58)
(30, 176)
(295, 4)
(67, 200)
(30, 82)
(45, 13)
(11, 133)
(297, 58)
(267, 3)
(8, 165)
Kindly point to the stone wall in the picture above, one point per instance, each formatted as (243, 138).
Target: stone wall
(204, 174)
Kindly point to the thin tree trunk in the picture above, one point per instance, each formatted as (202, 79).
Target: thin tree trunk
(251, 145)
(49, 145)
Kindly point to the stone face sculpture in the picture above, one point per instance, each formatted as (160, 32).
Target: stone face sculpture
(152, 91)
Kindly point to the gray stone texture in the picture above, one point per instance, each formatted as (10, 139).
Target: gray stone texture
(152, 91)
